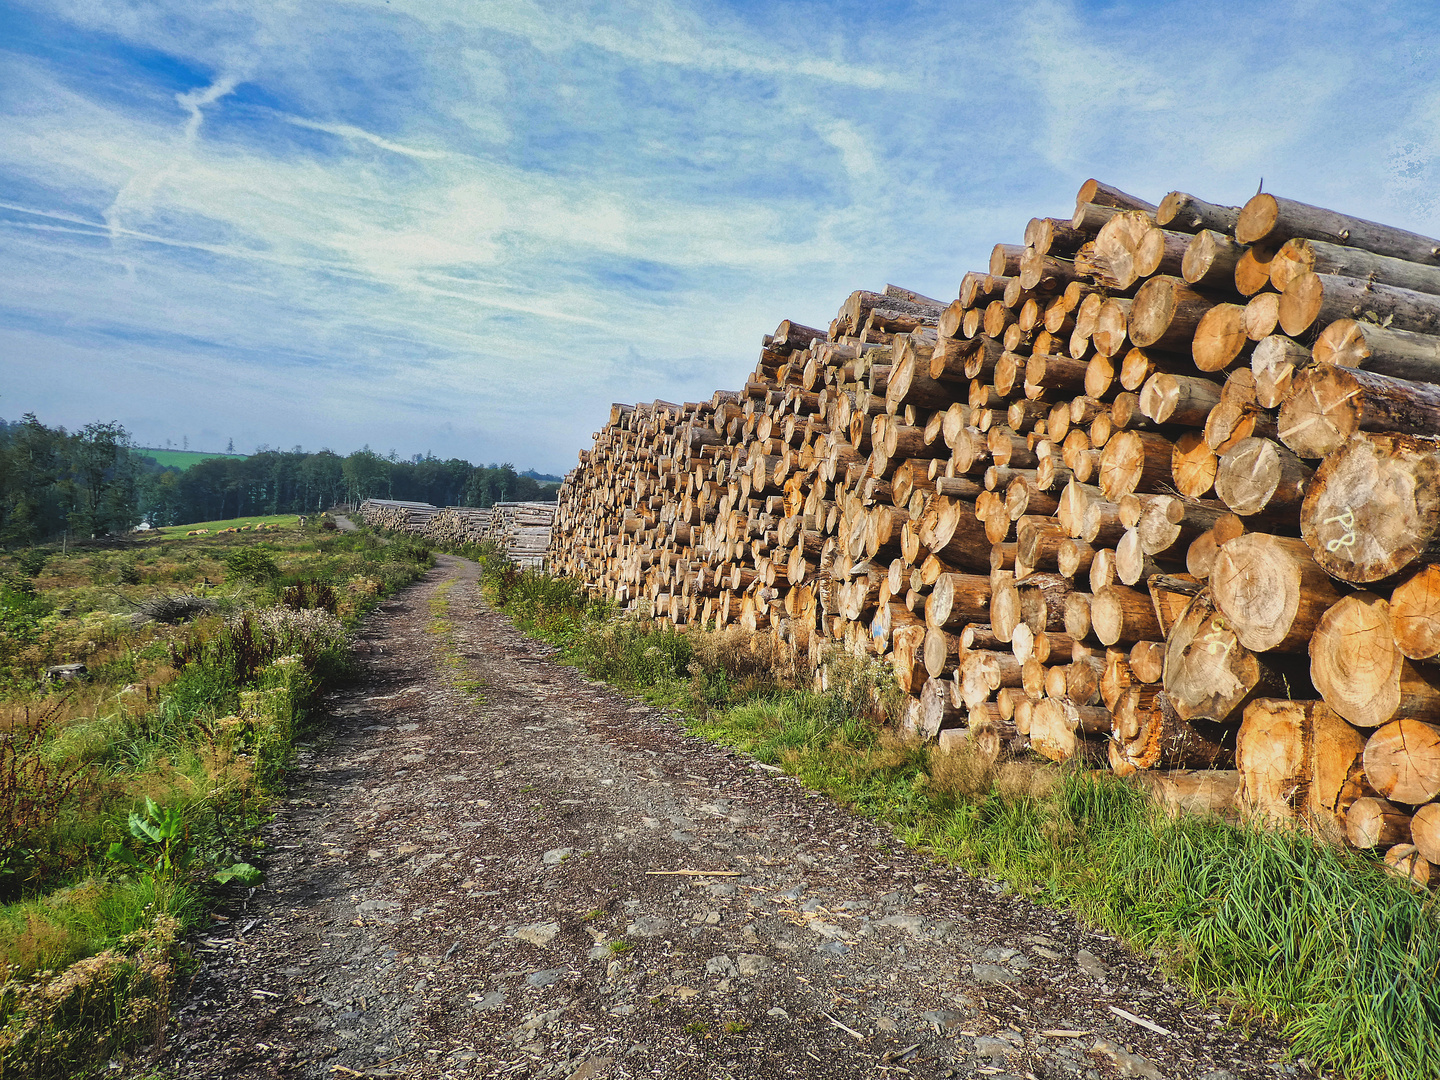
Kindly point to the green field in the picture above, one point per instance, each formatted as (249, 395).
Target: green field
(181, 459)
(170, 532)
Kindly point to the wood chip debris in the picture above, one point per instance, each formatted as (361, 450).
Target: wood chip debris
(1139, 1020)
(1063, 1033)
(848, 1030)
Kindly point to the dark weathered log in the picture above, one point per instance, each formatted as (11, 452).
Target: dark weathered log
(1373, 507)
(1266, 218)
(1148, 733)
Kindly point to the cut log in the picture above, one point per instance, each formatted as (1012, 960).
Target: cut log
(958, 599)
(1165, 314)
(1272, 220)
(1058, 729)
(1209, 675)
(1150, 734)
(1119, 615)
(1199, 793)
(1415, 615)
(1186, 213)
(1271, 591)
(1210, 260)
(1373, 822)
(1178, 399)
(1258, 474)
(1147, 660)
(1221, 338)
(1372, 509)
(1402, 761)
(1252, 269)
(1095, 193)
(1360, 672)
(1405, 862)
(1299, 256)
(1385, 350)
(1273, 363)
(1328, 405)
(1262, 316)
(1425, 831)
(1298, 762)
(1134, 461)
(1323, 298)
(937, 712)
(1193, 465)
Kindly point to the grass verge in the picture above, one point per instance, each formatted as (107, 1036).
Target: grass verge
(1318, 941)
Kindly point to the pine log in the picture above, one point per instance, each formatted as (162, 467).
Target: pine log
(1323, 298)
(958, 599)
(1406, 863)
(1415, 615)
(1271, 591)
(1266, 218)
(1328, 405)
(1220, 338)
(1252, 269)
(1147, 660)
(1385, 350)
(1093, 192)
(1149, 734)
(1209, 675)
(1402, 761)
(1178, 399)
(1134, 461)
(1299, 256)
(1273, 364)
(1119, 615)
(937, 712)
(1193, 465)
(1200, 793)
(1425, 831)
(1262, 316)
(1058, 729)
(1210, 260)
(1118, 242)
(1298, 762)
(1372, 509)
(1373, 822)
(1362, 675)
(1165, 314)
(1186, 213)
(1258, 474)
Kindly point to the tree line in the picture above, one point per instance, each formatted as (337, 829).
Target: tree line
(95, 482)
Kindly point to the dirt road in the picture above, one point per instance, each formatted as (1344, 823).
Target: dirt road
(477, 883)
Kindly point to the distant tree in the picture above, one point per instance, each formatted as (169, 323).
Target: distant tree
(230, 447)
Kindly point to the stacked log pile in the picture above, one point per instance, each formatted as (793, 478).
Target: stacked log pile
(1160, 489)
(521, 529)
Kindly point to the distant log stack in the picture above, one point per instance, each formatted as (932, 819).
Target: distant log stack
(520, 529)
(1159, 487)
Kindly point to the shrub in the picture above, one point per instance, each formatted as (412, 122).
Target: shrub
(252, 565)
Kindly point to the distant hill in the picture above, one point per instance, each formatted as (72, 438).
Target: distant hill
(542, 476)
(180, 459)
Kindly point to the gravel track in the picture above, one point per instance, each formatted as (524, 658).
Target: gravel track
(464, 884)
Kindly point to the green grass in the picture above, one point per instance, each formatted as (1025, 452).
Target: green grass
(198, 718)
(174, 532)
(1317, 941)
(182, 459)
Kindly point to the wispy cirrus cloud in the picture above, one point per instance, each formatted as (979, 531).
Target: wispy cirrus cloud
(467, 227)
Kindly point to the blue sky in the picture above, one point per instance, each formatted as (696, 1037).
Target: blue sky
(467, 227)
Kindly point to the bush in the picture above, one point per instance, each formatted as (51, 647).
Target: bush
(251, 565)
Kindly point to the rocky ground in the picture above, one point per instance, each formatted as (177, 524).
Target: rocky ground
(542, 878)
